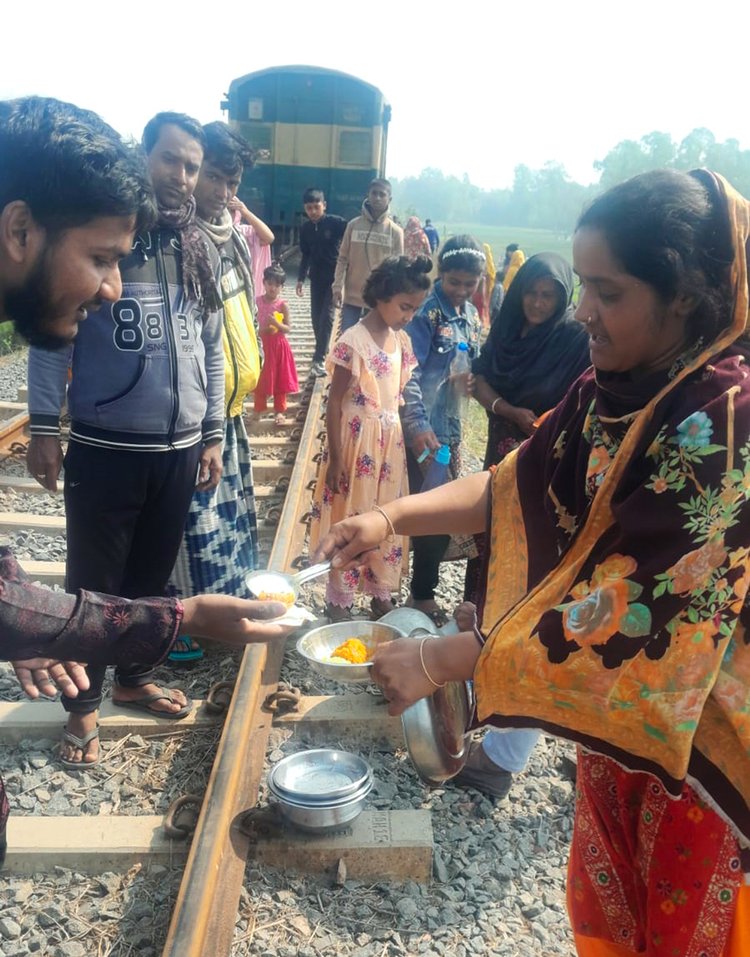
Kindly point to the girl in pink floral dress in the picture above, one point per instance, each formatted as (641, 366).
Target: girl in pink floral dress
(364, 464)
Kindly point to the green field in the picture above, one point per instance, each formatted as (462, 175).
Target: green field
(531, 240)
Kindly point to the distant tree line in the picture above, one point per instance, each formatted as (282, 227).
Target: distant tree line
(548, 198)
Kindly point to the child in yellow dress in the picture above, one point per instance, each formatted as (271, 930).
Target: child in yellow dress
(364, 464)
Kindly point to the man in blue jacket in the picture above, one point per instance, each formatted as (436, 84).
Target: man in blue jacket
(146, 407)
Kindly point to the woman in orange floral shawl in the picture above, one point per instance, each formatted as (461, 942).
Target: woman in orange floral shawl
(616, 610)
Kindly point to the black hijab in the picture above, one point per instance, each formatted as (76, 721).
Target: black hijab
(535, 372)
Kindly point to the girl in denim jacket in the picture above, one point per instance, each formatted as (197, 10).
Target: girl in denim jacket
(429, 418)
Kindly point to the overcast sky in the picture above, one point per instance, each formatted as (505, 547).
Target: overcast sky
(475, 92)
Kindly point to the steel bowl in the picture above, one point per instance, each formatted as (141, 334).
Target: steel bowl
(319, 644)
(321, 775)
(322, 802)
(322, 818)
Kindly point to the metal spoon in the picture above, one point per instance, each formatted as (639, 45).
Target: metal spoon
(277, 583)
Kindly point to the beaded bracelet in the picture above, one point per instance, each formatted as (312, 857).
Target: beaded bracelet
(427, 674)
(392, 530)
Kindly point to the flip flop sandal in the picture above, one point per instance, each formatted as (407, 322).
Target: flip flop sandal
(438, 616)
(183, 651)
(144, 704)
(81, 743)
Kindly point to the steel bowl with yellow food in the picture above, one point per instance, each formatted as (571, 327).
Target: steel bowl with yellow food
(343, 651)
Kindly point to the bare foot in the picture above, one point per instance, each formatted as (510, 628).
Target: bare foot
(381, 606)
(80, 725)
(336, 613)
(119, 693)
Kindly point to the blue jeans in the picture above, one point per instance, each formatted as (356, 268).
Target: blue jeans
(350, 315)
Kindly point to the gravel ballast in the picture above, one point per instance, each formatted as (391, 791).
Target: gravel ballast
(498, 869)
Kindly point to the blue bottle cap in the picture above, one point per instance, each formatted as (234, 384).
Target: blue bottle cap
(463, 347)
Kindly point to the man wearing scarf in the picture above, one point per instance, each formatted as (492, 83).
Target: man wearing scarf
(145, 401)
(221, 545)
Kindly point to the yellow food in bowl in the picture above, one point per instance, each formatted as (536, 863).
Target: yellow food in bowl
(351, 652)
(285, 597)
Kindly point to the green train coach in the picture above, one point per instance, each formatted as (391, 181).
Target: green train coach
(314, 127)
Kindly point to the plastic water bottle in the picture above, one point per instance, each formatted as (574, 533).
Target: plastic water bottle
(460, 370)
(437, 474)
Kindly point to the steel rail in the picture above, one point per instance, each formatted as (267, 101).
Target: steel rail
(13, 429)
(205, 912)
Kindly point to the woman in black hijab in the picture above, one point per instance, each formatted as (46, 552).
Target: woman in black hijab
(533, 354)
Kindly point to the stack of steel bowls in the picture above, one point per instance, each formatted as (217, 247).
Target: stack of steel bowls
(321, 790)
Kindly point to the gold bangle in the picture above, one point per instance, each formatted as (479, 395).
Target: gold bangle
(427, 674)
(392, 530)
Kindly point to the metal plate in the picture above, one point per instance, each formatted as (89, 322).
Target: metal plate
(319, 774)
(435, 727)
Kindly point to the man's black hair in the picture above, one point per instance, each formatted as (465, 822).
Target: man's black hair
(227, 150)
(69, 166)
(152, 129)
(313, 195)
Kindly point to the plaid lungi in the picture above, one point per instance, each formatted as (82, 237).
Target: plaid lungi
(220, 545)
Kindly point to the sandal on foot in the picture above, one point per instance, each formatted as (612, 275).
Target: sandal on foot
(437, 615)
(145, 703)
(481, 773)
(81, 744)
(185, 650)
(279, 420)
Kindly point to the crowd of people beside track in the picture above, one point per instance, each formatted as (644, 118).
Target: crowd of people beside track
(606, 595)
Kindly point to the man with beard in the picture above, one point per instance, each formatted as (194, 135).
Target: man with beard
(71, 196)
(221, 541)
(145, 401)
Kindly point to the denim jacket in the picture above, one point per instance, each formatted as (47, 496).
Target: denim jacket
(435, 332)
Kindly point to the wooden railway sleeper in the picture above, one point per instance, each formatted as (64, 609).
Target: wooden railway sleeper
(219, 697)
(284, 699)
(182, 816)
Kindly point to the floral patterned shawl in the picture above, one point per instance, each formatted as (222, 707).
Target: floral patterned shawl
(620, 543)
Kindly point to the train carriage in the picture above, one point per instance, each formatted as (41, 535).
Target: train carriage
(315, 127)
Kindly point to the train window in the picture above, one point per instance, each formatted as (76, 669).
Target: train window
(258, 135)
(355, 147)
(255, 108)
